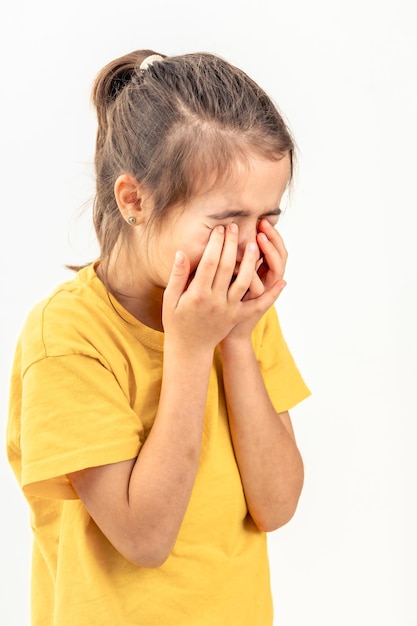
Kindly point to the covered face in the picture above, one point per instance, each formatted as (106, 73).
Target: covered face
(253, 192)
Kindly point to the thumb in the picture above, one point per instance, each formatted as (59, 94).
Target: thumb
(268, 298)
(276, 290)
(178, 279)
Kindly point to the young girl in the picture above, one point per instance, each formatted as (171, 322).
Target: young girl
(149, 426)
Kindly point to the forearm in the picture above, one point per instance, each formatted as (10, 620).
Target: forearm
(269, 462)
(163, 476)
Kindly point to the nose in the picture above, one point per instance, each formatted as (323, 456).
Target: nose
(247, 234)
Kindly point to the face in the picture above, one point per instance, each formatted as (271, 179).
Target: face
(252, 194)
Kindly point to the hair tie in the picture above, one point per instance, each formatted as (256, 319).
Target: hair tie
(149, 60)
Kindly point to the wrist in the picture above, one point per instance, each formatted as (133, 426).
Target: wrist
(180, 352)
(238, 345)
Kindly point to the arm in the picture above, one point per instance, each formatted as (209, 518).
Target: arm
(269, 462)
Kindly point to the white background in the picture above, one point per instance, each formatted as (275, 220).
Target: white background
(344, 74)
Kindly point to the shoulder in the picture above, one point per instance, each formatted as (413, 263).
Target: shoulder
(67, 321)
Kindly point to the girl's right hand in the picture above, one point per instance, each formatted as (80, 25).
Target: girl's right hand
(202, 312)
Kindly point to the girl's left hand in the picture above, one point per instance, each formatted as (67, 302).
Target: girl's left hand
(271, 267)
(268, 277)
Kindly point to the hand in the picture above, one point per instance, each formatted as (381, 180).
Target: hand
(274, 256)
(267, 280)
(201, 308)
(198, 313)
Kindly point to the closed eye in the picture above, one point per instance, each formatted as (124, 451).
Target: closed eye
(230, 215)
(273, 216)
(275, 213)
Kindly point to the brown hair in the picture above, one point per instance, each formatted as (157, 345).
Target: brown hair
(174, 126)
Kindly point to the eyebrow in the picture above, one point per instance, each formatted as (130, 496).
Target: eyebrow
(239, 213)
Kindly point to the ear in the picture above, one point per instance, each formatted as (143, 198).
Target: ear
(130, 199)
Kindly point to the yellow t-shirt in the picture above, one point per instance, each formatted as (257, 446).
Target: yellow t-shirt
(84, 392)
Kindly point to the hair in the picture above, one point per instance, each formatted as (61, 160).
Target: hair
(176, 126)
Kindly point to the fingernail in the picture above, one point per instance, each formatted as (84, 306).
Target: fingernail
(233, 228)
(220, 229)
(262, 237)
(253, 247)
(179, 258)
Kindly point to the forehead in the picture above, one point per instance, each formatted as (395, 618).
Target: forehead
(255, 183)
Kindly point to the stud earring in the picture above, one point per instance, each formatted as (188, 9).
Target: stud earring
(131, 220)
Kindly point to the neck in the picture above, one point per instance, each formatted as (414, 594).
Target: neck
(133, 290)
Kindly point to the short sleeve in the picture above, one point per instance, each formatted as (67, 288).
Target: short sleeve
(74, 415)
(283, 381)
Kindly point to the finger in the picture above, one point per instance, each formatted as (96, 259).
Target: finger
(263, 302)
(274, 260)
(227, 264)
(272, 294)
(246, 272)
(178, 279)
(273, 236)
(256, 288)
(209, 262)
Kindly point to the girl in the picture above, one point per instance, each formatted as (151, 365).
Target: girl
(149, 426)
